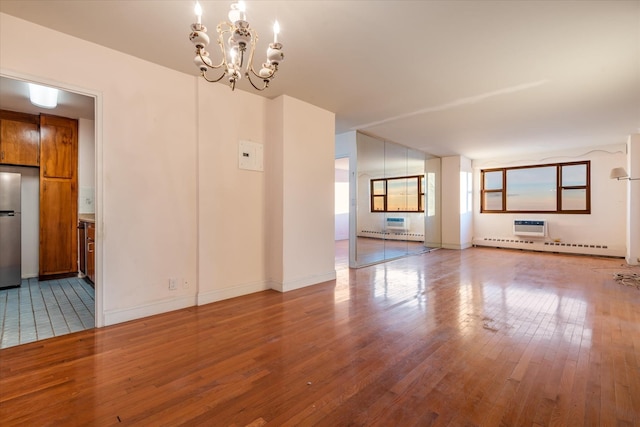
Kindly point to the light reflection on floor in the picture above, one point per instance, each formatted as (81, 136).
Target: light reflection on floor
(524, 302)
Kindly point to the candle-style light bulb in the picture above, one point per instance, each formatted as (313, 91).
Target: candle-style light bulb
(198, 11)
(276, 31)
(241, 6)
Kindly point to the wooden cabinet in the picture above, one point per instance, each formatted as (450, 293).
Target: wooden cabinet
(91, 252)
(19, 138)
(87, 247)
(58, 147)
(58, 196)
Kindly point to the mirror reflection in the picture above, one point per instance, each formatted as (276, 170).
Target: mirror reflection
(396, 201)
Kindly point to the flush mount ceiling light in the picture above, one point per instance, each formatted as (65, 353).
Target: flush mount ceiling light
(235, 37)
(43, 96)
(621, 173)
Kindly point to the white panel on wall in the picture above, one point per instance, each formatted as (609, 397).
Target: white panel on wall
(250, 156)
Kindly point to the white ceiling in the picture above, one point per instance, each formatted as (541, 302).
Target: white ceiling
(14, 96)
(474, 78)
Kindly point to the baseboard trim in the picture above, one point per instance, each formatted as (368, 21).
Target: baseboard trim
(227, 293)
(112, 317)
(303, 282)
(456, 246)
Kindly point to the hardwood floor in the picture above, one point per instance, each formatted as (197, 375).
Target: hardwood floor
(480, 337)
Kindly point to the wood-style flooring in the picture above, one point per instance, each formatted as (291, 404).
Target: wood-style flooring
(479, 337)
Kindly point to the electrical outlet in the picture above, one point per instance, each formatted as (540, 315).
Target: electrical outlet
(173, 285)
(185, 284)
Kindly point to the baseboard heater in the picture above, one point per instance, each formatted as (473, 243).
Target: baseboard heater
(529, 227)
(540, 245)
(396, 224)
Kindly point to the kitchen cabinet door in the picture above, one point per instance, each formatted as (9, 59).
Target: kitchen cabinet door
(19, 139)
(58, 238)
(58, 147)
(58, 196)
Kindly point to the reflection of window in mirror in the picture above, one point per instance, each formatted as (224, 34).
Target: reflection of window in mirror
(378, 195)
(398, 194)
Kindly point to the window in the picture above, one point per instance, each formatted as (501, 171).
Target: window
(559, 188)
(400, 194)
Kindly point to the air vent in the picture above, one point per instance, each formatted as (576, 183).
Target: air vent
(527, 227)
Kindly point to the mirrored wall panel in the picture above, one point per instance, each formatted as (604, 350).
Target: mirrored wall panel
(397, 199)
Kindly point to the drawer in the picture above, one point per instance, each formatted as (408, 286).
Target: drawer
(91, 232)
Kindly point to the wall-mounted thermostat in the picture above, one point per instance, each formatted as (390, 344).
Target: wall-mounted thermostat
(250, 156)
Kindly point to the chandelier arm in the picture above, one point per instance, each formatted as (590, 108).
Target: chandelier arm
(270, 76)
(215, 67)
(266, 82)
(250, 68)
(204, 76)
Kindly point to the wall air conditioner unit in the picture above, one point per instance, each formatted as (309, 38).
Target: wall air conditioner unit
(528, 227)
(396, 224)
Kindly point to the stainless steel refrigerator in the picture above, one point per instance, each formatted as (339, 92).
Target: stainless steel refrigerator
(10, 229)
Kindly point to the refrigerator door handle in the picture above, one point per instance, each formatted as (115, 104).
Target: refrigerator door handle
(7, 213)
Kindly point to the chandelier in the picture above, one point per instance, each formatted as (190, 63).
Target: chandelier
(235, 37)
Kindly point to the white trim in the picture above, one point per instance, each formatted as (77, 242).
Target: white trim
(113, 317)
(303, 282)
(456, 247)
(232, 292)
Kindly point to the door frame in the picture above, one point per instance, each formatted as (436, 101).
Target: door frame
(99, 179)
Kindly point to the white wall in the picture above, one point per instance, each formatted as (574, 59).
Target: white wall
(433, 217)
(604, 226)
(146, 188)
(231, 201)
(86, 166)
(457, 226)
(341, 204)
(304, 158)
(346, 146)
(170, 200)
(633, 197)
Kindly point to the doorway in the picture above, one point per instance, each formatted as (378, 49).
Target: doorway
(55, 299)
(341, 208)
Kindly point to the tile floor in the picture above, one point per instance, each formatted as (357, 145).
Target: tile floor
(39, 310)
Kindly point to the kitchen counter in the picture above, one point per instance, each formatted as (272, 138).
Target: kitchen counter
(87, 218)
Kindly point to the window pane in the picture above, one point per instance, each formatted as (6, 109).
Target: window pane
(397, 198)
(378, 203)
(493, 180)
(573, 175)
(493, 201)
(574, 200)
(378, 187)
(531, 189)
(402, 194)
